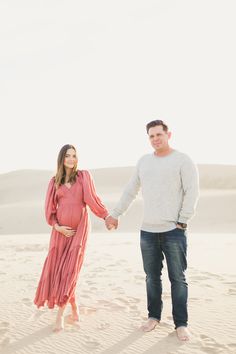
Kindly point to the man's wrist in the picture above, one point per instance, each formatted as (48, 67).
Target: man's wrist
(182, 225)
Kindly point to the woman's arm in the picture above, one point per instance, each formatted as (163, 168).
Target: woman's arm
(91, 198)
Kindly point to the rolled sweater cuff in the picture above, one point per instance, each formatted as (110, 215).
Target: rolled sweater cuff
(183, 219)
(115, 214)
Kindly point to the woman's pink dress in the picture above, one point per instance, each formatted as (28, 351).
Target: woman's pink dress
(68, 207)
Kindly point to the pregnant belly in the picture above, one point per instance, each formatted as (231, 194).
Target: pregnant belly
(69, 216)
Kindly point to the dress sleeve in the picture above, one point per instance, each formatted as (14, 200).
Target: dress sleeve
(51, 204)
(91, 198)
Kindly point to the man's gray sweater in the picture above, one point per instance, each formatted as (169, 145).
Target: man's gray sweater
(170, 190)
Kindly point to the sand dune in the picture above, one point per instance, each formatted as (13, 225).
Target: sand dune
(22, 197)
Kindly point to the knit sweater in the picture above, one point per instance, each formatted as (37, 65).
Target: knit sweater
(170, 190)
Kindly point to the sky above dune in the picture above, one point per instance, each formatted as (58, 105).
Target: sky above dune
(93, 73)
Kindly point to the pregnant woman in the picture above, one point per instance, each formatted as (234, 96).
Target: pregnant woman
(68, 195)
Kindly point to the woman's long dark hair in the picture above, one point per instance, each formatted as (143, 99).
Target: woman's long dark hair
(61, 172)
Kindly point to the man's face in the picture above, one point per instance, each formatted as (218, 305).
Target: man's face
(159, 138)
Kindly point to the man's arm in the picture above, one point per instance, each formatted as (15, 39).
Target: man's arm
(129, 194)
(190, 183)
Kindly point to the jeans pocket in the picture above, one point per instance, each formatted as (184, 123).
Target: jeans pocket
(177, 233)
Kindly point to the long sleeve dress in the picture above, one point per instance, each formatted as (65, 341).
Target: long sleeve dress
(68, 207)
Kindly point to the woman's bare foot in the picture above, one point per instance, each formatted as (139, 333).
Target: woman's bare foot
(149, 325)
(75, 315)
(70, 319)
(183, 333)
(74, 312)
(59, 324)
(73, 318)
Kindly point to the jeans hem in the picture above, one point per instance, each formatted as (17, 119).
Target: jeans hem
(154, 318)
(181, 325)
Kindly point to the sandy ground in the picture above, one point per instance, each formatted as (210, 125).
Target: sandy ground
(112, 298)
(111, 287)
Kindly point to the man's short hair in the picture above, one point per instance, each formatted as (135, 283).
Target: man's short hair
(154, 123)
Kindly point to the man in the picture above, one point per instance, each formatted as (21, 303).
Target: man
(169, 183)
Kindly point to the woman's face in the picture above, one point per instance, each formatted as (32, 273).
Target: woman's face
(70, 158)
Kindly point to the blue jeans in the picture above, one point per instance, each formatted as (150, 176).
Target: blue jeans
(173, 245)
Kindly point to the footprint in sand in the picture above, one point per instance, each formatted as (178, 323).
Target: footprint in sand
(124, 301)
(2, 331)
(111, 305)
(103, 326)
(118, 290)
(92, 344)
(129, 270)
(166, 325)
(4, 328)
(209, 345)
(31, 248)
(103, 302)
(99, 269)
(87, 310)
(216, 276)
(198, 277)
(116, 307)
(27, 302)
(4, 342)
(232, 345)
(133, 299)
(193, 299)
(4, 324)
(86, 294)
(93, 288)
(122, 261)
(133, 307)
(232, 284)
(135, 313)
(89, 282)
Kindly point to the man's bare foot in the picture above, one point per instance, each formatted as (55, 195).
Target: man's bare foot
(183, 333)
(59, 324)
(149, 325)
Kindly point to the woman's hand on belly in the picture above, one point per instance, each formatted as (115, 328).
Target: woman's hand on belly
(65, 230)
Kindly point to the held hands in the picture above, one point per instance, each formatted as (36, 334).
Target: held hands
(111, 223)
(179, 227)
(65, 230)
